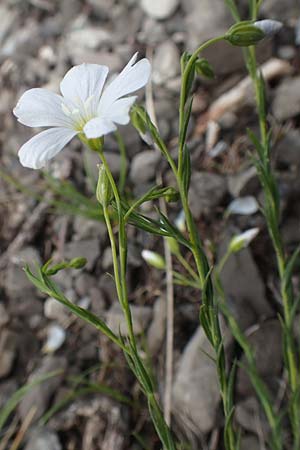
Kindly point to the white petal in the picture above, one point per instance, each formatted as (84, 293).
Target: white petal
(244, 206)
(41, 108)
(84, 81)
(132, 78)
(44, 146)
(98, 127)
(119, 111)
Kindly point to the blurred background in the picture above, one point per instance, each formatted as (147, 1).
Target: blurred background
(79, 393)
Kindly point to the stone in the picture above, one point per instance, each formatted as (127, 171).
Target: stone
(7, 389)
(196, 393)
(243, 183)
(277, 9)
(87, 248)
(4, 317)
(286, 103)
(8, 351)
(43, 439)
(40, 395)
(250, 442)
(207, 190)
(144, 166)
(287, 151)
(266, 342)
(247, 414)
(166, 62)
(159, 9)
(243, 286)
(55, 310)
(156, 331)
(141, 316)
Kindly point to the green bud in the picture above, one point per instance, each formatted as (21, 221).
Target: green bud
(104, 192)
(171, 195)
(77, 263)
(154, 259)
(93, 144)
(173, 245)
(56, 268)
(137, 121)
(204, 69)
(242, 240)
(244, 34)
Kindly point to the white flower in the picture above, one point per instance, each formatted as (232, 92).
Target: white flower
(82, 108)
(242, 240)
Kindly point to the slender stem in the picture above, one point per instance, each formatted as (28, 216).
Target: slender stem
(183, 93)
(187, 267)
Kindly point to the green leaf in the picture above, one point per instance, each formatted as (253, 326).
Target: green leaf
(186, 169)
(15, 399)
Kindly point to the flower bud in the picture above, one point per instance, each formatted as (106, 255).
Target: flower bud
(104, 191)
(154, 259)
(137, 121)
(180, 222)
(78, 263)
(173, 245)
(242, 240)
(244, 34)
(204, 69)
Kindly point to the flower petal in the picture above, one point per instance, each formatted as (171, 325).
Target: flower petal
(84, 81)
(44, 146)
(98, 127)
(41, 108)
(132, 78)
(119, 111)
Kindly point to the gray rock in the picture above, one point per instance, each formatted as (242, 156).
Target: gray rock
(87, 229)
(266, 342)
(141, 316)
(287, 150)
(156, 331)
(159, 9)
(277, 9)
(89, 37)
(8, 351)
(196, 393)
(249, 416)
(244, 287)
(144, 166)
(205, 19)
(166, 62)
(7, 389)
(250, 443)
(43, 439)
(55, 310)
(40, 395)
(206, 192)
(243, 183)
(286, 103)
(4, 317)
(88, 248)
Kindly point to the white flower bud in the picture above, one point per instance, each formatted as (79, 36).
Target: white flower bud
(154, 259)
(242, 240)
(269, 27)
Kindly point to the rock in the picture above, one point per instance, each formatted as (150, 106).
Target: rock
(249, 416)
(87, 248)
(89, 37)
(287, 151)
(43, 439)
(166, 62)
(250, 443)
(55, 310)
(8, 351)
(243, 183)
(196, 393)
(88, 229)
(159, 9)
(156, 331)
(207, 190)
(106, 258)
(56, 336)
(286, 103)
(39, 396)
(7, 389)
(244, 206)
(266, 342)
(141, 316)
(244, 287)
(144, 166)
(205, 19)
(4, 317)
(276, 9)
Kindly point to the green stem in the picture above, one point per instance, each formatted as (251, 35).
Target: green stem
(187, 267)
(183, 93)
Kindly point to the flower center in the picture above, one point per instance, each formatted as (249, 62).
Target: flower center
(80, 112)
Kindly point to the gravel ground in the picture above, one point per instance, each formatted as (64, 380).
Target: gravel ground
(39, 41)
